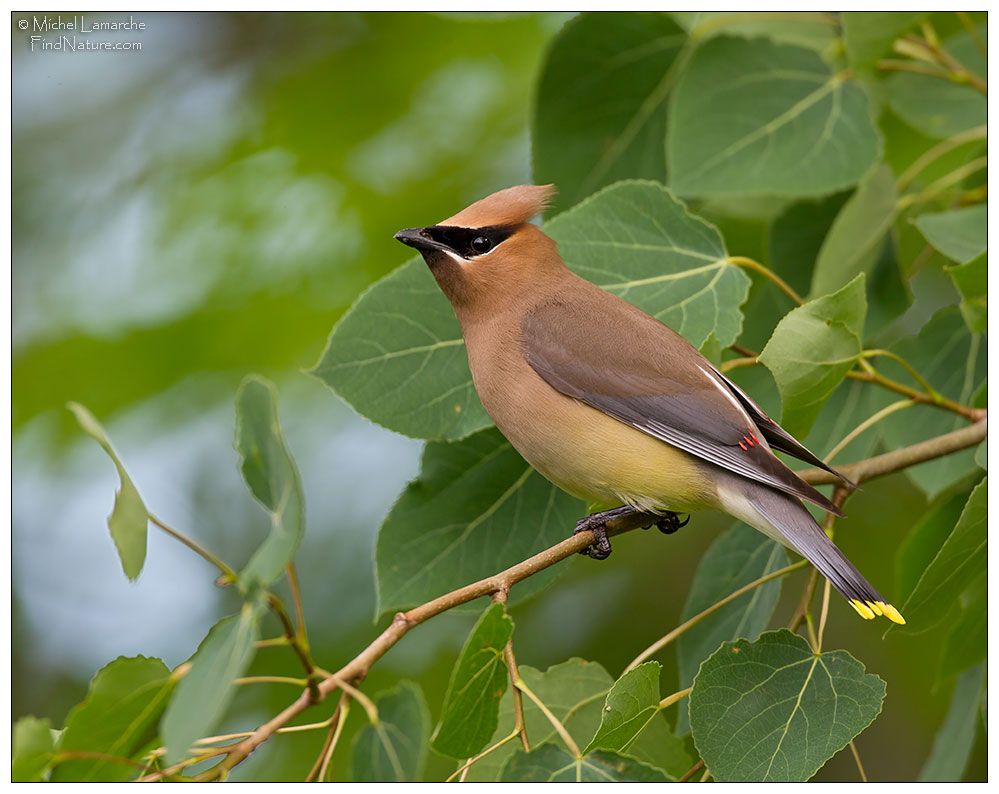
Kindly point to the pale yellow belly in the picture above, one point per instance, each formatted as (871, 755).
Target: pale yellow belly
(597, 458)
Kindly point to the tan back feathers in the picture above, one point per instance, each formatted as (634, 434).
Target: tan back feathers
(509, 207)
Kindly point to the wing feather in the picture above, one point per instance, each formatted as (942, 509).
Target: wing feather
(669, 392)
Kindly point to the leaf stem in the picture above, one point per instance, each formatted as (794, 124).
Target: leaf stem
(669, 700)
(752, 264)
(296, 600)
(461, 770)
(943, 183)
(867, 423)
(970, 27)
(271, 679)
(823, 615)
(805, 604)
(937, 151)
(327, 756)
(227, 573)
(662, 642)
(735, 363)
(558, 726)
(856, 757)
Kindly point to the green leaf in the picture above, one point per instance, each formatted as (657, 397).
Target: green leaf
(550, 763)
(476, 509)
(954, 362)
(960, 235)
(575, 691)
(398, 357)
(966, 643)
(937, 106)
(118, 717)
(206, 690)
(925, 539)
(811, 351)
(772, 710)
(630, 706)
(638, 241)
(815, 30)
(971, 280)
(128, 520)
(751, 116)
(981, 455)
(270, 474)
(600, 112)
(962, 558)
(470, 712)
(736, 558)
(857, 236)
(32, 750)
(395, 749)
(869, 34)
(952, 745)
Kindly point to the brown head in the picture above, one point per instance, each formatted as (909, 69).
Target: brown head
(489, 251)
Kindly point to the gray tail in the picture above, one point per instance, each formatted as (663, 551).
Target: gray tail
(796, 527)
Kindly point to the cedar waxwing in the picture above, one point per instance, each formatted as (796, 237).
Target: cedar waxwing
(609, 403)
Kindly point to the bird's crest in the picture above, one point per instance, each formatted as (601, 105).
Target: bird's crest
(509, 207)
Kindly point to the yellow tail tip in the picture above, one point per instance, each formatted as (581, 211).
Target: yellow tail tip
(872, 609)
(893, 614)
(862, 609)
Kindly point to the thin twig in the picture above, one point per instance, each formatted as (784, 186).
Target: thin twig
(899, 459)
(691, 772)
(358, 667)
(332, 724)
(328, 755)
(520, 724)
(302, 652)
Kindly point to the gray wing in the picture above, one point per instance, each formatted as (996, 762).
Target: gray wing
(657, 383)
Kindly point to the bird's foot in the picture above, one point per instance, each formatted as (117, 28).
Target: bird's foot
(670, 523)
(597, 523)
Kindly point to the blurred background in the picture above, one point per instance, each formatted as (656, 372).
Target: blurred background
(207, 207)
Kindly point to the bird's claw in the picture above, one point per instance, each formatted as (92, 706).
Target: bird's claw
(600, 549)
(670, 523)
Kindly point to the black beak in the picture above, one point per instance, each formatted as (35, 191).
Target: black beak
(419, 239)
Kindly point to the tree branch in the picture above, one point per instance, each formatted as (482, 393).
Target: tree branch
(903, 458)
(357, 668)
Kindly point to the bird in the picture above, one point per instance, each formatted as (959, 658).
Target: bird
(609, 403)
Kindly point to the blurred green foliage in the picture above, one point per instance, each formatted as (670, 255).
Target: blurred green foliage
(210, 206)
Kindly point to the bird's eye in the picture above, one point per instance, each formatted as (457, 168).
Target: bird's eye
(481, 244)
